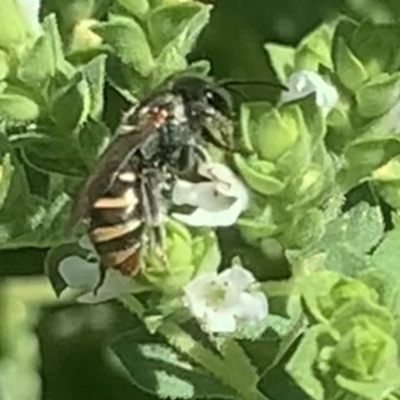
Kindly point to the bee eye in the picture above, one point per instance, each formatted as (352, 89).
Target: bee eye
(217, 101)
(209, 95)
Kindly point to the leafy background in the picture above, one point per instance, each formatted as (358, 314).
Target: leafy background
(74, 360)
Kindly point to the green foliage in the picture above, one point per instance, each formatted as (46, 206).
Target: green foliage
(159, 369)
(334, 306)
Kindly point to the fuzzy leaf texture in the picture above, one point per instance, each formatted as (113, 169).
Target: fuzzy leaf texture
(158, 369)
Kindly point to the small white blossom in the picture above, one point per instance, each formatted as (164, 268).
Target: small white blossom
(31, 11)
(220, 301)
(219, 201)
(303, 83)
(83, 276)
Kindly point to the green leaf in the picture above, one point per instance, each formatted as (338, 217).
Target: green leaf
(313, 118)
(377, 389)
(4, 67)
(13, 183)
(375, 46)
(168, 62)
(179, 24)
(301, 365)
(93, 139)
(126, 81)
(315, 49)
(305, 228)
(6, 175)
(277, 132)
(14, 27)
(75, 97)
(136, 7)
(158, 369)
(59, 155)
(349, 69)
(74, 11)
(364, 157)
(128, 42)
(348, 238)
(363, 351)
(378, 95)
(258, 224)
(386, 260)
(95, 75)
(18, 108)
(282, 59)
(38, 64)
(257, 174)
(46, 57)
(34, 223)
(361, 312)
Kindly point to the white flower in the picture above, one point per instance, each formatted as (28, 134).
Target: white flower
(303, 83)
(83, 276)
(219, 201)
(220, 301)
(31, 10)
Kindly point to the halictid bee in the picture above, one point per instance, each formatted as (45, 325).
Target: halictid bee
(123, 200)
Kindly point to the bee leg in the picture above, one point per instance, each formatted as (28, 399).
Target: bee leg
(151, 201)
(103, 270)
(201, 154)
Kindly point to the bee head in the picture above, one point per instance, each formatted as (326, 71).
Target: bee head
(202, 96)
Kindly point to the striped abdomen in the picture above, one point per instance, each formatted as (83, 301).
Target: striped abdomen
(116, 225)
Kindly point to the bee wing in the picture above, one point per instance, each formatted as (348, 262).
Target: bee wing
(111, 163)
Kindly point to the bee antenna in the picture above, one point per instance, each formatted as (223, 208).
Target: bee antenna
(226, 83)
(239, 93)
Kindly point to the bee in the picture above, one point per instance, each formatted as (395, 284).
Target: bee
(124, 198)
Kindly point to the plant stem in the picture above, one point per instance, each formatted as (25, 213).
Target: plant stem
(182, 341)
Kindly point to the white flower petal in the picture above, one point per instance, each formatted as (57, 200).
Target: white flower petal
(237, 276)
(197, 286)
(201, 217)
(195, 297)
(184, 193)
(219, 322)
(217, 301)
(216, 172)
(79, 273)
(203, 195)
(303, 83)
(114, 285)
(252, 306)
(219, 202)
(31, 10)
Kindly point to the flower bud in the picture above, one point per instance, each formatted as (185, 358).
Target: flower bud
(83, 38)
(364, 350)
(272, 132)
(181, 258)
